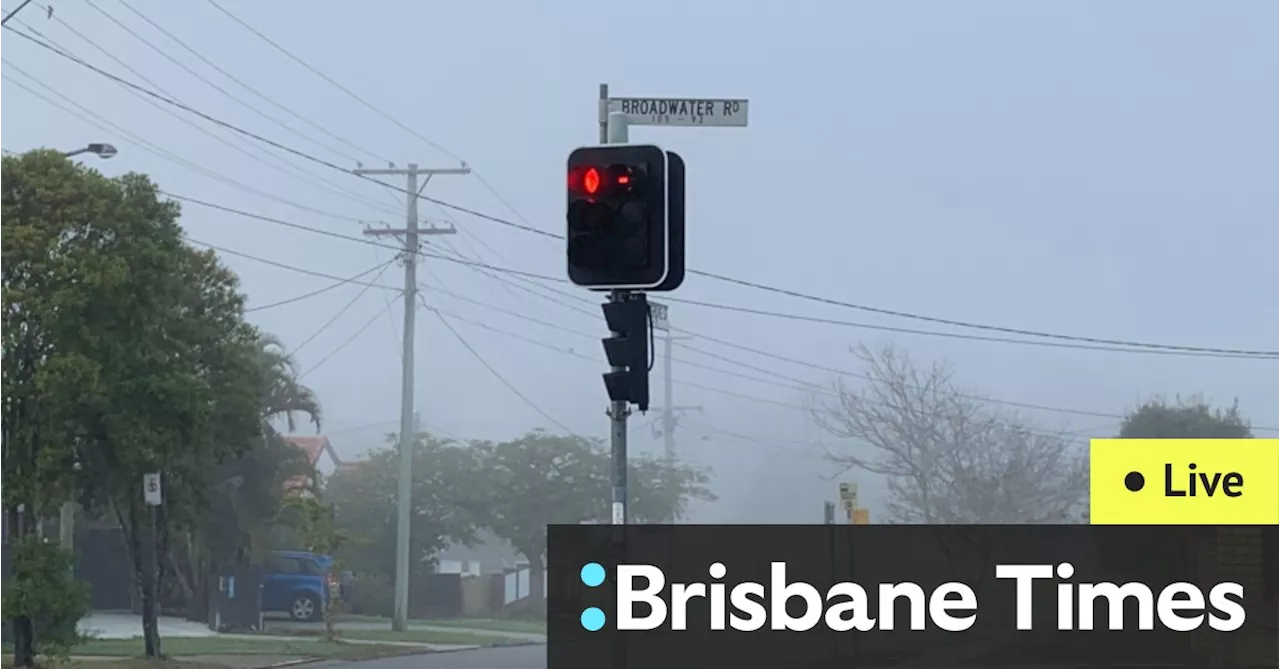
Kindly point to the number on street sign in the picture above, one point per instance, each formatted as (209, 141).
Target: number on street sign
(682, 111)
(151, 491)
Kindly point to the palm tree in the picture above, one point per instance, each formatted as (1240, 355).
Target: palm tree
(246, 494)
(283, 394)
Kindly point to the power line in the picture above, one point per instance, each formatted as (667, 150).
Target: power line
(719, 277)
(796, 384)
(89, 116)
(337, 284)
(225, 92)
(292, 268)
(1197, 353)
(800, 385)
(341, 311)
(805, 384)
(713, 389)
(496, 374)
(276, 162)
(326, 77)
(480, 177)
(15, 11)
(266, 98)
(345, 343)
(759, 312)
(359, 428)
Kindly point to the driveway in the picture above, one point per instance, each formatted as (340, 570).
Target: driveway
(125, 625)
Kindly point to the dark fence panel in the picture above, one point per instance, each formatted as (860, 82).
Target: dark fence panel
(102, 561)
(436, 596)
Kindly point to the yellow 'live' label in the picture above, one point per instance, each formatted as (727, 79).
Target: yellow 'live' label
(1184, 481)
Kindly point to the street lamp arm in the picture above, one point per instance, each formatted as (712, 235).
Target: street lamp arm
(99, 149)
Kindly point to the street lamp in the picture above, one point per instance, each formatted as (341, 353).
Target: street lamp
(103, 151)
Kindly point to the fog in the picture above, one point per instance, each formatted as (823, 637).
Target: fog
(1093, 169)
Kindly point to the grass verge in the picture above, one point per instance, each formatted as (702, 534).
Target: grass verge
(520, 626)
(435, 637)
(187, 653)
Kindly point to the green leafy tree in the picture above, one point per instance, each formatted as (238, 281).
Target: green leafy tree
(247, 492)
(128, 351)
(1182, 418)
(364, 495)
(46, 593)
(660, 490)
(49, 280)
(318, 532)
(1191, 418)
(545, 479)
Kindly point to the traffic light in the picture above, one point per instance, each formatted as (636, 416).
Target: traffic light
(617, 217)
(628, 350)
(675, 224)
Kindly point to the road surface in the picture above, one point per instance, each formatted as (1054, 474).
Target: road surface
(515, 657)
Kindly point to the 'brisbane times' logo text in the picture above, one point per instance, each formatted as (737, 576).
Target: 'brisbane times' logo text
(645, 601)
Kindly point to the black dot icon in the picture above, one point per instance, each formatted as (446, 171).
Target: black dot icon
(1134, 481)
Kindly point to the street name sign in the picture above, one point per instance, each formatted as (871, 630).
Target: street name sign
(658, 312)
(682, 111)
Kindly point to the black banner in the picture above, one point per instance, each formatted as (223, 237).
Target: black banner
(796, 596)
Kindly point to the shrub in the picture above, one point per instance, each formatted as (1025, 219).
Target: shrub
(44, 589)
(371, 595)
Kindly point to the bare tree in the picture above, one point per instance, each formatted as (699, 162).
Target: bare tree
(948, 456)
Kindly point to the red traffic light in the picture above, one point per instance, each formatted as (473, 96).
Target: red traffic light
(601, 181)
(591, 181)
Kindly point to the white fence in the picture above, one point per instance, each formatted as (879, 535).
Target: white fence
(516, 586)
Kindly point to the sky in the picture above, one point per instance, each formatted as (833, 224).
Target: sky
(1096, 169)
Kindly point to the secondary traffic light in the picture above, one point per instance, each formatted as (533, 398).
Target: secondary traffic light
(618, 218)
(628, 350)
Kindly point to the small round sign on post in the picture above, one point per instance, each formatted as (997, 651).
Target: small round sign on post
(152, 493)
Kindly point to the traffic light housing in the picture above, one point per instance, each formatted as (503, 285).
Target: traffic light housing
(675, 224)
(628, 350)
(618, 216)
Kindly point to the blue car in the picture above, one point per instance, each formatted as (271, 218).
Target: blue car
(297, 583)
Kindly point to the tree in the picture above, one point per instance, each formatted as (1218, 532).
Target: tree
(247, 492)
(283, 395)
(1191, 418)
(947, 456)
(1184, 419)
(318, 531)
(444, 492)
(128, 351)
(47, 286)
(660, 490)
(46, 593)
(545, 479)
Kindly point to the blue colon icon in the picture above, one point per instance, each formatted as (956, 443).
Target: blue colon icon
(592, 574)
(592, 619)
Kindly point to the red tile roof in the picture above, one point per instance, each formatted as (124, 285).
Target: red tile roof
(314, 446)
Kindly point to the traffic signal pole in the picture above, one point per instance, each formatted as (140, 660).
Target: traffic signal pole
(615, 132)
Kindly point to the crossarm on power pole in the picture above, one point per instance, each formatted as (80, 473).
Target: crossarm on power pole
(408, 418)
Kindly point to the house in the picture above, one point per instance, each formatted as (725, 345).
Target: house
(489, 554)
(320, 455)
